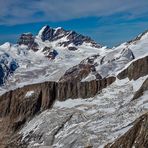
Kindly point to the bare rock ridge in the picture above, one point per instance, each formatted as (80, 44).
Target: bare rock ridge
(136, 137)
(76, 89)
(141, 90)
(136, 69)
(18, 102)
(82, 70)
(28, 100)
(29, 40)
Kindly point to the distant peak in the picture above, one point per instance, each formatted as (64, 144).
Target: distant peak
(59, 28)
(42, 29)
(6, 45)
(139, 37)
(27, 33)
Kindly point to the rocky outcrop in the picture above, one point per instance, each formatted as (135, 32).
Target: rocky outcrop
(26, 39)
(78, 72)
(136, 137)
(25, 102)
(29, 40)
(78, 39)
(75, 89)
(72, 48)
(38, 97)
(136, 69)
(82, 70)
(141, 90)
(18, 104)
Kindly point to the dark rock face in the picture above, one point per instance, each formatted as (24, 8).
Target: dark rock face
(76, 39)
(16, 104)
(50, 53)
(46, 50)
(72, 48)
(28, 40)
(47, 33)
(136, 137)
(19, 105)
(136, 69)
(142, 89)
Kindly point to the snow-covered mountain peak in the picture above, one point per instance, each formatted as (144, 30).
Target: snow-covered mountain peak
(41, 30)
(138, 45)
(5, 45)
(65, 37)
(140, 37)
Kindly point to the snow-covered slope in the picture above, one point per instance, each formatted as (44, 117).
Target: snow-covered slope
(35, 66)
(34, 63)
(95, 121)
(88, 122)
(138, 45)
(8, 63)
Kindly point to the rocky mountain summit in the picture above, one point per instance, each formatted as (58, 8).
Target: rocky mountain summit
(67, 91)
(63, 38)
(71, 37)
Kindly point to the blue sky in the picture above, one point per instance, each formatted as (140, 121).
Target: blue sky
(108, 22)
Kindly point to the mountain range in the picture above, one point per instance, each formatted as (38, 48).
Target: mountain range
(62, 89)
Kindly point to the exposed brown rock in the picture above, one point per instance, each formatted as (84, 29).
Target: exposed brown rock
(18, 107)
(77, 72)
(136, 69)
(141, 90)
(76, 89)
(28, 40)
(82, 70)
(136, 137)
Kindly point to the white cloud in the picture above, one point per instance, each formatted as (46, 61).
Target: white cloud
(25, 11)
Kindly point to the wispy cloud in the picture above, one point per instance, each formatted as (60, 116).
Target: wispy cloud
(27, 11)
